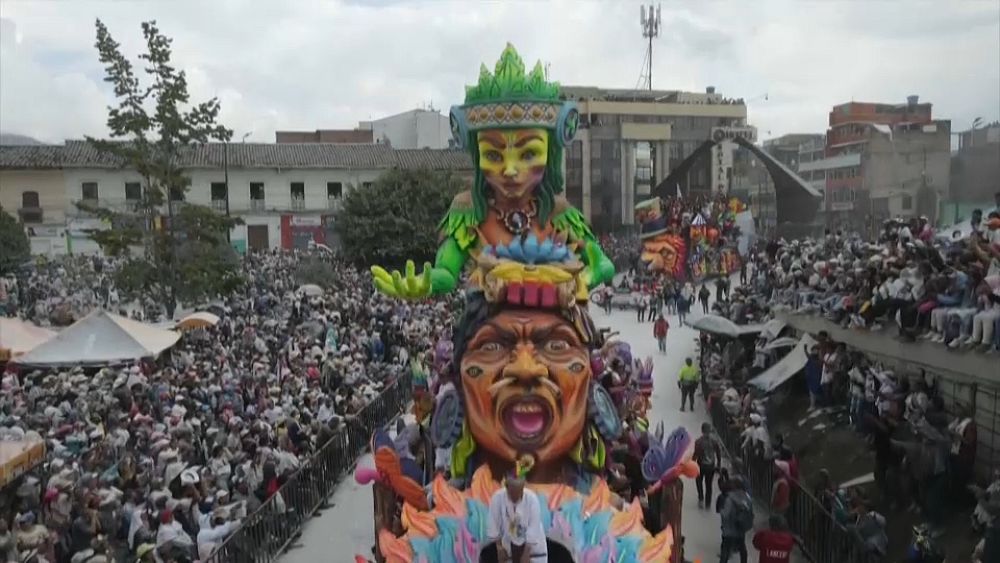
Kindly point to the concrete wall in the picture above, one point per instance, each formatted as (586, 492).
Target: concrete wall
(416, 129)
(893, 168)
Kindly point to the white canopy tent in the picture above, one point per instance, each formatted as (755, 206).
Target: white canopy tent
(101, 338)
(785, 368)
(18, 337)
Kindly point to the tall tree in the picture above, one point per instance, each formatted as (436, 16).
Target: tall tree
(397, 217)
(185, 253)
(14, 246)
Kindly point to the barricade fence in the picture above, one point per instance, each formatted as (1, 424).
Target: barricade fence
(264, 535)
(824, 539)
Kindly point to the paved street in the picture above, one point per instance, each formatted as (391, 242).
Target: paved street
(346, 529)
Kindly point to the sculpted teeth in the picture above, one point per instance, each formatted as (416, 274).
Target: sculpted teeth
(527, 408)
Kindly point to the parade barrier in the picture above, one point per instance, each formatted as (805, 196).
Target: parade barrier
(264, 535)
(824, 538)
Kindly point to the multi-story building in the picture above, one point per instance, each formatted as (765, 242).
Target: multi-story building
(286, 194)
(630, 140)
(414, 129)
(975, 174)
(880, 161)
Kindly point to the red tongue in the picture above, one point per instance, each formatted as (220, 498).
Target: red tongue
(527, 423)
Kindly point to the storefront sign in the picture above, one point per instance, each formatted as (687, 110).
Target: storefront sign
(720, 134)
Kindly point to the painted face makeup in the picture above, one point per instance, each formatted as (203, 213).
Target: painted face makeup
(525, 377)
(513, 161)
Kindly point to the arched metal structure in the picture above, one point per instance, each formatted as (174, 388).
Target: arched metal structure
(796, 202)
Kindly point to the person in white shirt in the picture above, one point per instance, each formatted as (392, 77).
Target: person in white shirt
(515, 524)
(210, 537)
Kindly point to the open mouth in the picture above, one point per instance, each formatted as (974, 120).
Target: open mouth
(527, 418)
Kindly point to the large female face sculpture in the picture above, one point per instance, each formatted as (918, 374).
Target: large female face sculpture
(525, 377)
(513, 161)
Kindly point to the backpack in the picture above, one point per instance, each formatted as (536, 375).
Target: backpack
(743, 514)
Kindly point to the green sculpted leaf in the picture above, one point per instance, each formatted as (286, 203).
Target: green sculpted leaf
(509, 81)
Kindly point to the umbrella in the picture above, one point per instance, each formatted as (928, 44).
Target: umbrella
(783, 342)
(714, 324)
(198, 320)
(311, 289)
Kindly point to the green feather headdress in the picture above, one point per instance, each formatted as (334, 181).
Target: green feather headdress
(511, 98)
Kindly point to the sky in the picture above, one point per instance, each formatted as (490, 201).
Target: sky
(306, 65)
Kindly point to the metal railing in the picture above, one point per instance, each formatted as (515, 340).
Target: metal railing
(264, 535)
(824, 538)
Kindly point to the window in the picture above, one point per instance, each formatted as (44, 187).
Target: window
(30, 200)
(367, 185)
(595, 149)
(334, 190)
(219, 191)
(257, 191)
(907, 203)
(176, 194)
(89, 190)
(133, 191)
(298, 190)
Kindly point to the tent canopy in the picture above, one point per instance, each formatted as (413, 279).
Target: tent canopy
(198, 320)
(18, 337)
(101, 338)
(771, 378)
(714, 324)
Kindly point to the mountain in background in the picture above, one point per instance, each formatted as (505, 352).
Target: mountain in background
(15, 139)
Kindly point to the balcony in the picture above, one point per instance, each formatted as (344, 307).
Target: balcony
(220, 205)
(334, 203)
(257, 205)
(298, 204)
(30, 215)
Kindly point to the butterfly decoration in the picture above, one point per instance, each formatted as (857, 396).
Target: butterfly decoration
(667, 459)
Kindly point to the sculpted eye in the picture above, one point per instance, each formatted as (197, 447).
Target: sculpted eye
(528, 155)
(494, 156)
(556, 346)
(491, 347)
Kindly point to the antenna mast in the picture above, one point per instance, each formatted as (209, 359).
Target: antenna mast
(650, 22)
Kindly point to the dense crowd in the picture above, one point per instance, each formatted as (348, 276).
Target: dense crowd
(925, 454)
(160, 461)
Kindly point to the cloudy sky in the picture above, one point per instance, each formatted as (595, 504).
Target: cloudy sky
(324, 64)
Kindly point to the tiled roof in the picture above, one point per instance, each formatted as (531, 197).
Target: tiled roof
(80, 154)
(31, 156)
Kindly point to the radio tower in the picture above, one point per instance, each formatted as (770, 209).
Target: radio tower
(650, 22)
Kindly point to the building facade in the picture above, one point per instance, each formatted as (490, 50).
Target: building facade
(880, 161)
(286, 194)
(414, 129)
(629, 140)
(975, 174)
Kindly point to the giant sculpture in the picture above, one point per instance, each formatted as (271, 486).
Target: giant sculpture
(529, 382)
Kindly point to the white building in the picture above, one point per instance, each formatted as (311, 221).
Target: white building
(286, 194)
(414, 129)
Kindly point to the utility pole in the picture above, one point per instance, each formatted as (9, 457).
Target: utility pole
(225, 168)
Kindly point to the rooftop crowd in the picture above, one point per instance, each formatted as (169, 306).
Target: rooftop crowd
(930, 287)
(160, 460)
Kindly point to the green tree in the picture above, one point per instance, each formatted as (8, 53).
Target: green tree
(185, 254)
(14, 247)
(396, 218)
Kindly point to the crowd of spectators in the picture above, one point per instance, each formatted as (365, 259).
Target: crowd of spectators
(160, 460)
(938, 289)
(943, 289)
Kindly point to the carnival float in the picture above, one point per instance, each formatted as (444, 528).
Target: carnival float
(690, 238)
(526, 386)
